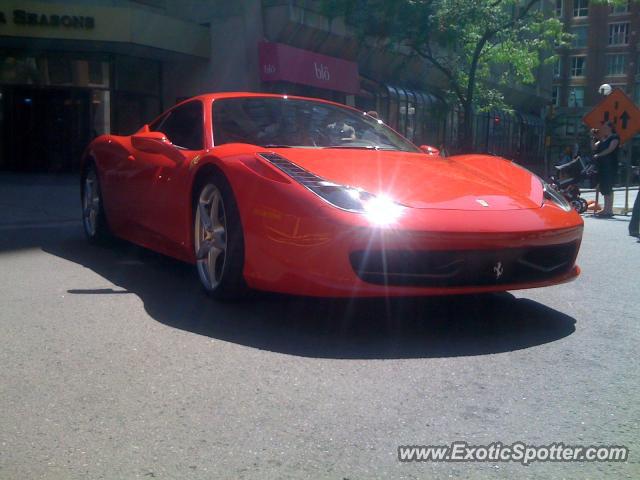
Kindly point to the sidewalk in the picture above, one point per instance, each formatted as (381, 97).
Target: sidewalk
(39, 199)
(618, 198)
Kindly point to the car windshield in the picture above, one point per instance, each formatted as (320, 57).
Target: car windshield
(287, 122)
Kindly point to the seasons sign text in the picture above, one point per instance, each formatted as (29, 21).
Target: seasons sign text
(28, 19)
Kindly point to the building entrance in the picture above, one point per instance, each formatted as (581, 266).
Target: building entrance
(44, 129)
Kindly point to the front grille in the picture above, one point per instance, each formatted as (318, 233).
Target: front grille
(463, 267)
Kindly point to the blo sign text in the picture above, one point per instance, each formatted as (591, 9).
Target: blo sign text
(322, 71)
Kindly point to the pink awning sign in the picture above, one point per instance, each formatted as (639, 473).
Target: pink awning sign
(282, 63)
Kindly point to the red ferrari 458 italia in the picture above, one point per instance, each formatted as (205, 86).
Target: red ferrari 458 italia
(309, 197)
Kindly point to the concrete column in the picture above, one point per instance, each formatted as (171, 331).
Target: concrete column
(235, 30)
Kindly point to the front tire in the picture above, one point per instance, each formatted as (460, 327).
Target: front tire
(580, 205)
(218, 240)
(94, 221)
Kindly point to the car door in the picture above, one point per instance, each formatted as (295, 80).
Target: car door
(127, 178)
(161, 180)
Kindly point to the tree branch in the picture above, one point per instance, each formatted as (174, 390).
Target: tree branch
(453, 81)
(488, 35)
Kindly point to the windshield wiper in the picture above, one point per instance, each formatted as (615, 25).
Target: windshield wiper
(275, 145)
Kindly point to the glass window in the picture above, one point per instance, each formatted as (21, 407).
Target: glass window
(578, 66)
(155, 125)
(411, 115)
(402, 112)
(555, 96)
(137, 75)
(100, 112)
(580, 8)
(131, 111)
(60, 70)
(271, 122)
(98, 73)
(18, 69)
(619, 33)
(557, 68)
(616, 64)
(576, 97)
(622, 8)
(394, 106)
(55, 69)
(183, 126)
(579, 37)
(559, 8)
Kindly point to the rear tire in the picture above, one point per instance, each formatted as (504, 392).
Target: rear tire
(218, 239)
(94, 220)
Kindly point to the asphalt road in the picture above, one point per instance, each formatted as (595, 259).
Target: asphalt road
(115, 365)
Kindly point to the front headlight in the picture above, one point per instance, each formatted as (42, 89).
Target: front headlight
(549, 192)
(379, 210)
(553, 195)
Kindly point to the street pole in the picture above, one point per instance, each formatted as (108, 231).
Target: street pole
(627, 165)
(546, 141)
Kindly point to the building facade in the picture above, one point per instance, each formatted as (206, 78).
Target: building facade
(71, 70)
(605, 49)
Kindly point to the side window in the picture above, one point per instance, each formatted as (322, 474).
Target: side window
(183, 126)
(155, 126)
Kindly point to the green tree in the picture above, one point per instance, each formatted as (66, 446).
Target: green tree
(476, 45)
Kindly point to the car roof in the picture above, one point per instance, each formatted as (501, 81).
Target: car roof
(209, 97)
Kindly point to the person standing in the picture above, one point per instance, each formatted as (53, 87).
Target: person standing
(565, 157)
(606, 146)
(634, 225)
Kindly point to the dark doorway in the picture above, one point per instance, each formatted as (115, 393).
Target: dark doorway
(44, 130)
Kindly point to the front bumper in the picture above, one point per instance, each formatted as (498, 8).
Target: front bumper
(431, 252)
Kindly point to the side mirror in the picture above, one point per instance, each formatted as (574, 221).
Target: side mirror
(429, 150)
(155, 142)
(150, 142)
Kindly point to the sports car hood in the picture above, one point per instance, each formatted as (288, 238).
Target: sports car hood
(464, 182)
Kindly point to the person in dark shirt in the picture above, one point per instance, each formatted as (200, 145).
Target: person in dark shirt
(606, 147)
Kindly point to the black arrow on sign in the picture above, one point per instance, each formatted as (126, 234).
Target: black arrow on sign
(625, 119)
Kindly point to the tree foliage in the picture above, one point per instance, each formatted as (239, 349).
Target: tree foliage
(478, 46)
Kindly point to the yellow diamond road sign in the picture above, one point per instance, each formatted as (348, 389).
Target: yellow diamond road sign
(619, 110)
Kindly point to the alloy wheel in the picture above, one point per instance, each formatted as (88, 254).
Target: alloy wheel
(91, 203)
(210, 236)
